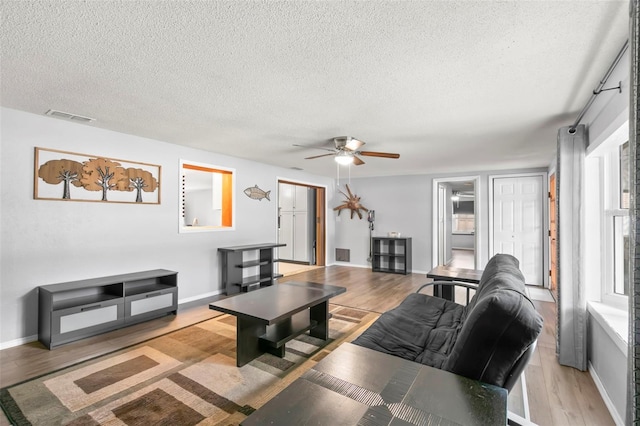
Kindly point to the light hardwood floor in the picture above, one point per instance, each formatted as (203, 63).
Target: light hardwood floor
(557, 395)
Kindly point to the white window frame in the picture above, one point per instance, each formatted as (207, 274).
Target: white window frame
(610, 178)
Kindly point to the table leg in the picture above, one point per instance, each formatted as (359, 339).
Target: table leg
(444, 291)
(248, 345)
(320, 314)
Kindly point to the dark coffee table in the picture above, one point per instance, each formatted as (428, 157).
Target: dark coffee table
(359, 386)
(269, 317)
(449, 273)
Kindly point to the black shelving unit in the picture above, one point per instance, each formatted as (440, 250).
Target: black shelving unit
(241, 274)
(391, 255)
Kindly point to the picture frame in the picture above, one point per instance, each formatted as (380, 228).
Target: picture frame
(71, 176)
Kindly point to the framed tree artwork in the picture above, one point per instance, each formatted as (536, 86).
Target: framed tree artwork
(69, 176)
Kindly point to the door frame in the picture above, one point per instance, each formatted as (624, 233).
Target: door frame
(552, 199)
(477, 204)
(320, 215)
(545, 217)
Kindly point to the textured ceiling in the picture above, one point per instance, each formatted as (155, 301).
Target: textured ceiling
(451, 86)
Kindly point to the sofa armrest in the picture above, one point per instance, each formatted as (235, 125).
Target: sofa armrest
(468, 286)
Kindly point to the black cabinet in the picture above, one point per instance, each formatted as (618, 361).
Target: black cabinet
(249, 267)
(74, 310)
(391, 255)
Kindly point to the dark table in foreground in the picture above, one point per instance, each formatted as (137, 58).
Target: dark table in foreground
(359, 386)
(449, 273)
(269, 317)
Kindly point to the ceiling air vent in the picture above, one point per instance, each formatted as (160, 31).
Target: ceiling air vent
(68, 116)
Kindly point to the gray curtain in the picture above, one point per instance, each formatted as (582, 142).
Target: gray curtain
(572, 300)
(633, 388)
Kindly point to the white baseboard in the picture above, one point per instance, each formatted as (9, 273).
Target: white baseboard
(605, 397)
(198, 297)
(18, 342)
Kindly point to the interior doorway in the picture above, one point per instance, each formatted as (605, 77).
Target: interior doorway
(455, 222)
(301, 226)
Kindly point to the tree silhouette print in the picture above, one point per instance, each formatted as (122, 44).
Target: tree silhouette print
(139, 180)
(67, 171)
(100, 174)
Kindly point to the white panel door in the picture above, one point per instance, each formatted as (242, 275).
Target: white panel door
(518, 223)
(300, 237)
(300, 203)
(286, 197)
(285, 236)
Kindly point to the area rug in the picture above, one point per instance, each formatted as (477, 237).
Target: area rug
(186, 377)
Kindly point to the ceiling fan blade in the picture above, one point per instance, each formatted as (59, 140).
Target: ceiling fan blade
(378, 154)
(357, 161)
(318, 156)
(315, 147)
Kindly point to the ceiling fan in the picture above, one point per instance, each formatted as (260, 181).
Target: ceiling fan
(347, 149)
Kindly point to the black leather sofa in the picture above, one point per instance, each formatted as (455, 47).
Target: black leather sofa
(490, 339)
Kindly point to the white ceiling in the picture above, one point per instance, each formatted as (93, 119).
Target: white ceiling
(449, 85)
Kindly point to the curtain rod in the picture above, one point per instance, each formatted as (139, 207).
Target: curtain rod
(598, 89)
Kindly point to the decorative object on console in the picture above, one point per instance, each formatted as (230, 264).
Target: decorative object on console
(256, 193)
(352, 203)
(98, 178)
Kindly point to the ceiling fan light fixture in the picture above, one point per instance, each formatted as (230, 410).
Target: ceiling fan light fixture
(343, 158)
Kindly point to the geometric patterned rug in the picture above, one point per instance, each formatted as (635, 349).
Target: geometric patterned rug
(186, 377)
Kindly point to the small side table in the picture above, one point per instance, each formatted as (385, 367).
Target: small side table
(449, 273)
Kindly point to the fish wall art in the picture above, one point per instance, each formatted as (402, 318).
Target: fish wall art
(256, 193)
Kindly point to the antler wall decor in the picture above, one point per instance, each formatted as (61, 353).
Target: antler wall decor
(352, 203)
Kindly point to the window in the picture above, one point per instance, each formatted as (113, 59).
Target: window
(206, 198)
(616, 224)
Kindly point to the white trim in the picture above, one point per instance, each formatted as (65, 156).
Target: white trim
(616, 133)
(525, 397)
(340, 263)
(605, 397)
(614, 322)
(545, 218)
(478, 203)
(18, 342)
(201, 296)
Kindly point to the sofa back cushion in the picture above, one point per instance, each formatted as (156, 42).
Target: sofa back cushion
(499, 324)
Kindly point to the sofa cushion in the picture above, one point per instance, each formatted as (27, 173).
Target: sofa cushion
(422, 329)
(499, 325)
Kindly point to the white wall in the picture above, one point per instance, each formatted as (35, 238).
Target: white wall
(46, 242)
(404, 204)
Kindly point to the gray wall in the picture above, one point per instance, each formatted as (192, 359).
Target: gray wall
(45, 242)
(405, 204)
(609, 364)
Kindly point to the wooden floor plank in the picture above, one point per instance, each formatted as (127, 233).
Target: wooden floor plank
(557, 395)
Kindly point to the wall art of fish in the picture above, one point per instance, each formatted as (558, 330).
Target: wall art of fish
(256, 193)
